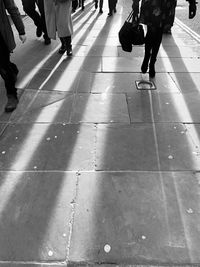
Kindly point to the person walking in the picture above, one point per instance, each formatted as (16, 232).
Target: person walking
(59, 21)
(112, 7)
(9, 70)
(155, 14)
(29, 7)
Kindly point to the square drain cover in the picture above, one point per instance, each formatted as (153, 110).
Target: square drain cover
(145, 85)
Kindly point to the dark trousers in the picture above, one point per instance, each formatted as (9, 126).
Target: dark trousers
(8, 70)
(153, 40)
(29, 7)
(112, 4)
(100, 3)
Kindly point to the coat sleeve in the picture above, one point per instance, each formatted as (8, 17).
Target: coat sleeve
(15, 15)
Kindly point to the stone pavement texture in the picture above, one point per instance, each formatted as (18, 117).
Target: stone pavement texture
(93, 171)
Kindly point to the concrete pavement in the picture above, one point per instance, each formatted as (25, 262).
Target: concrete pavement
(94, 171)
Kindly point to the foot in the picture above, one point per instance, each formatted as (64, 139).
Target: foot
(12, 103)
(96, 5)
(38, 32)
(100, 10)
(110, 14)
(115, 10)
(69, 52)
(47, 41)
(62, 49)
(83, 7)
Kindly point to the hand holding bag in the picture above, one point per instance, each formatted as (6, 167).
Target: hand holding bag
(131, 33)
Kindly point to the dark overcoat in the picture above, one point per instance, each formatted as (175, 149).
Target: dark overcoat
(156, 12)
(5, 27)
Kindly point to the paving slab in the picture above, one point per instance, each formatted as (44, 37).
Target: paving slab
(100, 108)
(120, 64)
(194, 131)
(47, 147)
(35, 215)
(164, 51)
(136, 218)
(187, 82)
(145, 147)
(125, 82)
(148, 106)
(95, 51)
(54, 80)
(92, 64)
(43, 106)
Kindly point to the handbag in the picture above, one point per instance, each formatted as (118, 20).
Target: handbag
(131, 33)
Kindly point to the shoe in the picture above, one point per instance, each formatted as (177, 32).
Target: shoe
(38, 32)
(100, 10)
(96, 4)
(69, 52)
(62, 49)
(47, 41)
(115, 10)
(12, 103)
(110, 14)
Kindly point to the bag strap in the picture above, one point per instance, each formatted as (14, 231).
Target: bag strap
(130, 17)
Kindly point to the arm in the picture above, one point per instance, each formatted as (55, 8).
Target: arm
(16, 18)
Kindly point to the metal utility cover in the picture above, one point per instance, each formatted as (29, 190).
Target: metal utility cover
(145, 85)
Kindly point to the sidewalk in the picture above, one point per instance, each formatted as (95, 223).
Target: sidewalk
(93, 171)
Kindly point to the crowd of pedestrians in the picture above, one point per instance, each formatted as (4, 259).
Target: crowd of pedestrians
(54, 19)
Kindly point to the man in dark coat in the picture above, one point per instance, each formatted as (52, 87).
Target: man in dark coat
(9, 70)
(29, 7)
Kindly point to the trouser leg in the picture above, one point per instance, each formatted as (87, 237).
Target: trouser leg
(100, 4)
(157, 39)
(8, 72)
(29, 9)
(40, 4)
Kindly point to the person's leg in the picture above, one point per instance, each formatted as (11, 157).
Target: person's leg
(29, 9)
(148, 48)
(157, 39)
(110, 6)
(9, 71)
(101, 6)
(66, 45)
(40, 4)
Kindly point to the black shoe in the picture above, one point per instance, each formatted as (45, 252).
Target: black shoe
(69, 51)
(100, 10)
(115, 10)
(47, 41)
(12, 103)
(62, 49)
(110, 14)
(96, 4)
(38, 32)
